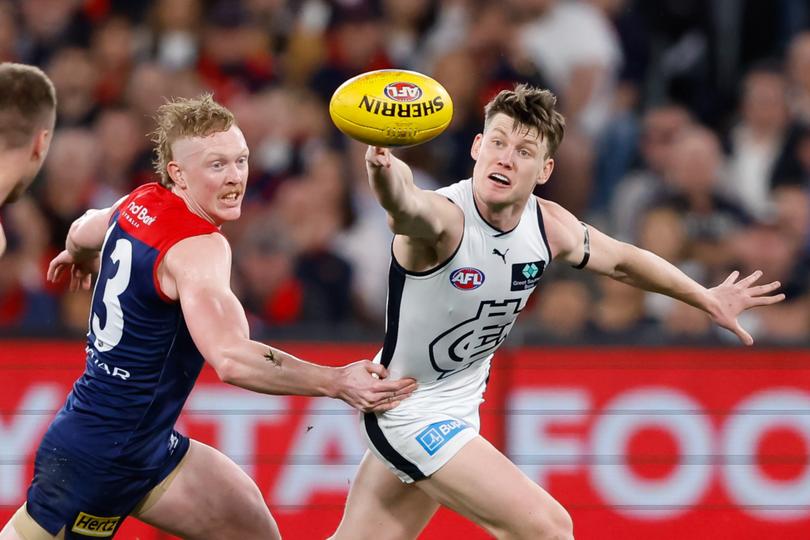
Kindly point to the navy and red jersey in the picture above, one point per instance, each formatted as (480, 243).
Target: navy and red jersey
(141, 361)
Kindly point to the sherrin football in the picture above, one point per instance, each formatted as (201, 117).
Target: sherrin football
(390, 107)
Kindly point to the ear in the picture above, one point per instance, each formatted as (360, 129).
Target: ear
(476, 147)
(42, 142)
(545, 172)
(176, 174)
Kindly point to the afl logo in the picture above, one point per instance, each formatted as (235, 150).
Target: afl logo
(467, 279)
(403, 91)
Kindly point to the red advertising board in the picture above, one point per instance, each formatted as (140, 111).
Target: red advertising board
(636, 443)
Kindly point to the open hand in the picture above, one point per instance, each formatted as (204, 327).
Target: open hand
(364, 386)
(80, 271)
(732, 297)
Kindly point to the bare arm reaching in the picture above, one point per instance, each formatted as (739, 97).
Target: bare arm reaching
(81, 254)
(412, 212)
(197, 272)
(427, 225)
(645, 270)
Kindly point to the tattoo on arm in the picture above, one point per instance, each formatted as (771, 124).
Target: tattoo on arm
(270, 356)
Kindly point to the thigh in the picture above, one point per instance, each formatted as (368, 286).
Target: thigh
(210, 497)
(382, 507)
(480, 483)
(22, 526)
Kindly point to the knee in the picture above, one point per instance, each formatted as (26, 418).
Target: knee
(545, 524)
(552, 525)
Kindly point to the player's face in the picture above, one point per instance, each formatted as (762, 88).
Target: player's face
(211, 173)
(509, 162)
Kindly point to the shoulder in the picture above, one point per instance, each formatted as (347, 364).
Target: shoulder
(562, 227)
(200, 255)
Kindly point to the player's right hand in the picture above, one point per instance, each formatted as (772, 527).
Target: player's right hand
(377, 157)
(365, 386)
(80, 271)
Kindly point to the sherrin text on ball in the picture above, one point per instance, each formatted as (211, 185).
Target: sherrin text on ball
(390, 107)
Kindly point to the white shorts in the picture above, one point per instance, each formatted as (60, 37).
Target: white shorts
(414, 446)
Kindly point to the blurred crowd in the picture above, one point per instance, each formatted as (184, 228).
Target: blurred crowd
(688, 133)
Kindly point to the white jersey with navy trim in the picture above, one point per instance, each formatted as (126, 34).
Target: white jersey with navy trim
(443, 327)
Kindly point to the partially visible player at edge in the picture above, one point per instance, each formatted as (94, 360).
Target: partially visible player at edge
(27, 117)
(163, 305)
(465, 260)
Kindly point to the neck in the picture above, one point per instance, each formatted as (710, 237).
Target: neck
(192, 205)
(503, 217)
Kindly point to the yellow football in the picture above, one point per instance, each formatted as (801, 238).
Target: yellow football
(391, 107)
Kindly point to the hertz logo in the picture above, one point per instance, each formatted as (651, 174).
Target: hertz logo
(99, 527)
(401, 110)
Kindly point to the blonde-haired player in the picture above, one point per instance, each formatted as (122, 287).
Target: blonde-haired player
(465, 259)
(161, 307)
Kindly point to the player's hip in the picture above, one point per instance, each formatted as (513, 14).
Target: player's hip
(70, 491)
(415, 443)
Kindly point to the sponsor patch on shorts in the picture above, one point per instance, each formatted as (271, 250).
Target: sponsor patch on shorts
(436, 435)
(98, 527)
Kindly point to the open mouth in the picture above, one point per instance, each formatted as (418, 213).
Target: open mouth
(232, 196)
(498, 178)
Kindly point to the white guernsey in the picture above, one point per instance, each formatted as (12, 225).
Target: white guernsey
(443, 326)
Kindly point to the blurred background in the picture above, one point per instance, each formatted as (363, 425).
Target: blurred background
(688, 133)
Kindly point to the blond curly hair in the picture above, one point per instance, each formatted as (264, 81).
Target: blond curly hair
(180, 118)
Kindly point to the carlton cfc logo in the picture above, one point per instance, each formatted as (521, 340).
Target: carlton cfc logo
(403, 91)
(467, 279)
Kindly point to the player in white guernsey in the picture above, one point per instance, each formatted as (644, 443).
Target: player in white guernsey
(464, 261)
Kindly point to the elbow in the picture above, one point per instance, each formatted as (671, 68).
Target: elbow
(228, 368)
(226, 371)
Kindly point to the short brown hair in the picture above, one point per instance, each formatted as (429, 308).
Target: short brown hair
(27, 103)
(185, 117)
(530, 107)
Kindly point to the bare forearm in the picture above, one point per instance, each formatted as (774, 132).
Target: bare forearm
(260, 368)
(648, 271)
(391, 185)
(86, 234)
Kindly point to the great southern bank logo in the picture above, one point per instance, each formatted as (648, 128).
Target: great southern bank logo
(467, 278)
(437, 434)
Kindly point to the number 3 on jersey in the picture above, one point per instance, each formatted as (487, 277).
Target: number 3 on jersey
(109, 334)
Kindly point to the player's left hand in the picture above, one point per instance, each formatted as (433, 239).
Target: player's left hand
(80, 271)
(732, 297)
(365, 386)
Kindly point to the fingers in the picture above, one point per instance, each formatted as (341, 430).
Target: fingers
(767, 300)
(397, 386)
(75, 279)
(384, 407)
(731, 278)
(377, 369)
(760, 290)
(744, 336)
(378, 156)
(54, 271)
(748, 281)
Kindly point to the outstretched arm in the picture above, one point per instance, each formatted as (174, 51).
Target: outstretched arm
(645, 270)
(82, 246)
(412, 212)
(197, 271)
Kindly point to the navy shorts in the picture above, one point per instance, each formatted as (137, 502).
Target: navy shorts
(89, 500)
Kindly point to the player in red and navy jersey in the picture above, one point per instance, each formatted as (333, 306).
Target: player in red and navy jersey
(27, 117)
(161, 307)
